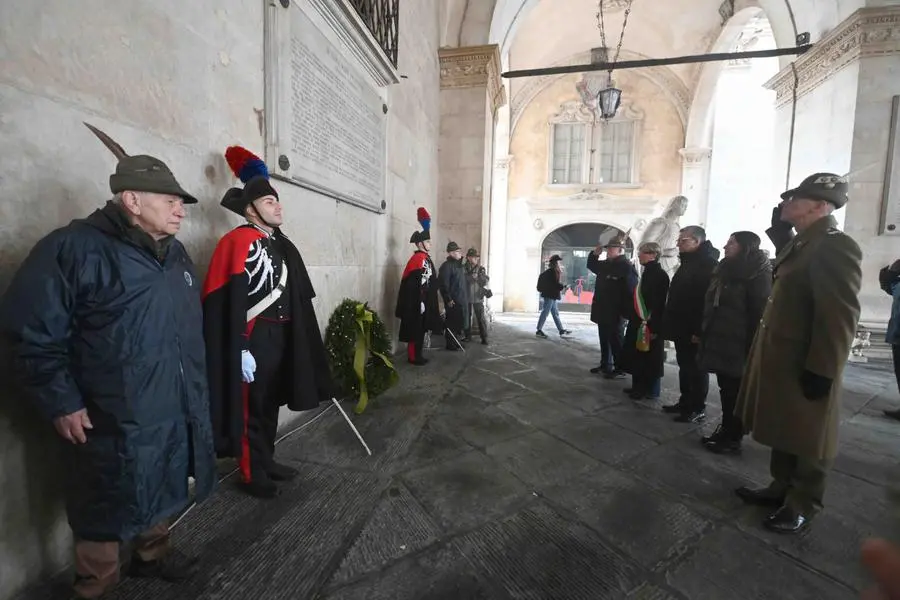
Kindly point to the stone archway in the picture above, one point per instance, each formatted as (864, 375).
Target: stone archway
(573, 243)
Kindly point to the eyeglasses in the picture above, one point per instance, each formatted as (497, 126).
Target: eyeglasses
(683, 240)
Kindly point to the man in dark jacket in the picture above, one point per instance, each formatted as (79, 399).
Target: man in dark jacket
(613, 291)
(264, 348)
(684, 320)
(550, 287)
(455, 292)
(104, 320)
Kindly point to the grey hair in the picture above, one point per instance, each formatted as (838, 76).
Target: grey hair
(650, 248)
(117, 198)
(696, 232)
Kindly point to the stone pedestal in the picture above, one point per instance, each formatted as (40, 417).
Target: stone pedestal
(695, 169)
(471, 93)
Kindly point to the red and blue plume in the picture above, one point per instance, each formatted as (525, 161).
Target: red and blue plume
(424, 218)
(244, 164)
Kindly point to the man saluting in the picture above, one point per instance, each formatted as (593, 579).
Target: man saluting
(264, 348)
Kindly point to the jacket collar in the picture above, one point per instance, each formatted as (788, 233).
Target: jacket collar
(801, 239)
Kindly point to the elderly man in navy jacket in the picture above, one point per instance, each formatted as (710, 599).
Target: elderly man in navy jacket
(105, 324)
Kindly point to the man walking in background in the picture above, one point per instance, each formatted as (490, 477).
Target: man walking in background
(550, 286)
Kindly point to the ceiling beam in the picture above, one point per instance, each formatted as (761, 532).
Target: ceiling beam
(655, 62)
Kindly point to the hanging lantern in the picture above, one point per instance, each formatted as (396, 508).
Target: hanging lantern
(608, 101)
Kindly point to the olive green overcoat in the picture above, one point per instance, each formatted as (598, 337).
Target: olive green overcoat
(809, 324)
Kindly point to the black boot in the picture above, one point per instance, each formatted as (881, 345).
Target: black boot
(261, 488)
(760, 497)
(173, 567)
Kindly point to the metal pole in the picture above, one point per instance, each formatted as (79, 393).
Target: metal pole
(655, 62)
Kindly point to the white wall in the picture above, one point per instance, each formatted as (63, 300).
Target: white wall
(180, 81)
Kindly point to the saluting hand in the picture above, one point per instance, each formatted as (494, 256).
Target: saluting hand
(71, 427)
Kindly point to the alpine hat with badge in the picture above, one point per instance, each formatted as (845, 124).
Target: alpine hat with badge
(827, 187)
(263, 344)
(103, 319)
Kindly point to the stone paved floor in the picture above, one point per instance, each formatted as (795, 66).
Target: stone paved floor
(511, 472)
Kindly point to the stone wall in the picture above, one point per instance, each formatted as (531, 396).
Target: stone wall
(536, 208)
(181, 81)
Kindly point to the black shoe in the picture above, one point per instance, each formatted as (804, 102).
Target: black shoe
(673, 408)
(452, 348)
(598, 371)
(717, 435)
(540, 334)
(759, 497)
(786, 520)
(277, 472)
(691, 417)
(261, 488)
(173, 567)
(565, 332)
(614, 375)
(484, 342)
(893, 414)
(628, 390)
(724, 445)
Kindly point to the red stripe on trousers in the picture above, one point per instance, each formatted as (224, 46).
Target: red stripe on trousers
(411, 351)
(244, 461)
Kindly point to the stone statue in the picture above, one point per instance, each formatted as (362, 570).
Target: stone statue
(664, 231)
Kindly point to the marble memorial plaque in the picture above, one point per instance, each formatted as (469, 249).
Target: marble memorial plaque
(329, 118)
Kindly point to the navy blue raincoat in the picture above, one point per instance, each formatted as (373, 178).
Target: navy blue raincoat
(102, 317)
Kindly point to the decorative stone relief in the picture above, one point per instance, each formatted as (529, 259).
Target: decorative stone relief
(726, 10)
(473, 66)
(663, 77)
(867, 32)
(695, 156)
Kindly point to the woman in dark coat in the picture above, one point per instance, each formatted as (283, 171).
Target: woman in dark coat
(643, 351)
(735, 301)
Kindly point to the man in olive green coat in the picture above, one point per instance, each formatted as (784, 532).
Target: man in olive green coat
(790, 397)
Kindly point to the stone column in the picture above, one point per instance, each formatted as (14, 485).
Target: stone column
(847, 82)
(471, 93)
(695, 168)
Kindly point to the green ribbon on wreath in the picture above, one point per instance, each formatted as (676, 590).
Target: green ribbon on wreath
(361, 355)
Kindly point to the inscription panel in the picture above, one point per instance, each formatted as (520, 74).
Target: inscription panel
(330, 120)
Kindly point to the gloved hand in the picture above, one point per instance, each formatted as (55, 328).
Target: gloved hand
(777, 223)
(248, 366)
(421, 308)
(815, 387)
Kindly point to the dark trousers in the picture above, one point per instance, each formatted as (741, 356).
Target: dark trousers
(800, 480)
(455, 323)
(895, 350)
(692, 381)
(729, 387)
(268, 345)
(611, 335)
(476, 313)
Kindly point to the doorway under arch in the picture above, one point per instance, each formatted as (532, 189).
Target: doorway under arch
(573, 243)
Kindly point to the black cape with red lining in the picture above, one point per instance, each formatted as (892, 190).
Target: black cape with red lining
(226, 330)
(411, 296)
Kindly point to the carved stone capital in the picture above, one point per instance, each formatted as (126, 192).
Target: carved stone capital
(695, 157)
(473, 66)
(866, 33)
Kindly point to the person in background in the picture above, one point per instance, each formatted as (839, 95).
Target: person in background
(550, 286)
(613, 295)
(643, 352)
(455, 292)
(790, 394)
(477, 280)
(735, 301)
(684, 320)
(889, 279)
(104, 322)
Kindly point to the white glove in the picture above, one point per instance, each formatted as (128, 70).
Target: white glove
(248, 366)
(421, 308)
